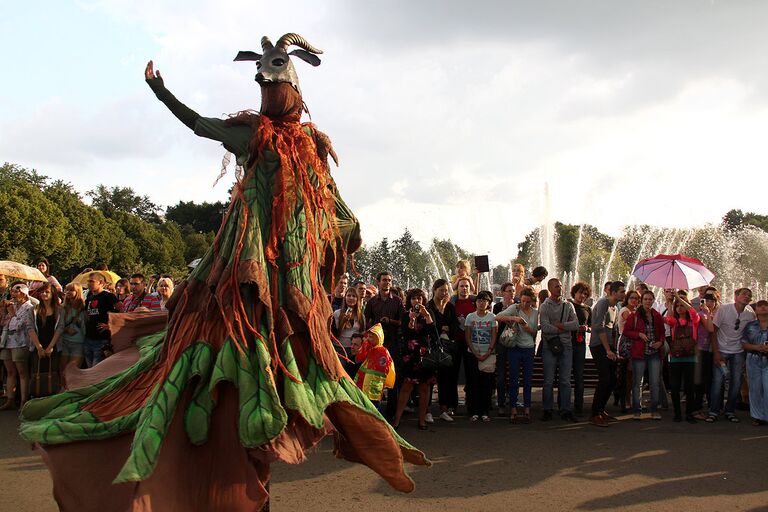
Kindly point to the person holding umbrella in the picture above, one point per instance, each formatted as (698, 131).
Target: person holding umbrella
(15, 345)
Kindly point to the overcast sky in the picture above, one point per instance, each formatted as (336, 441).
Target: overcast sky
(448, 116)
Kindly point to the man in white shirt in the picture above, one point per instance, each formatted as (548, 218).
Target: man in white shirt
(728, 353)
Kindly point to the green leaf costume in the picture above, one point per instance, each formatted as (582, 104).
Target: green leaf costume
(244, 373)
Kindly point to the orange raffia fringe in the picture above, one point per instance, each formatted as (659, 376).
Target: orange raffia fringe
(293, 189)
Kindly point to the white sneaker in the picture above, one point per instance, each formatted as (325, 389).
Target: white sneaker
(446, 417)
(474, 418)
(428, 418)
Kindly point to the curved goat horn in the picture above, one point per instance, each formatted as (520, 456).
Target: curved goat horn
(266, 44)
(295, 39)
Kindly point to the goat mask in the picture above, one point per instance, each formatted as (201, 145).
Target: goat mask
(274, 64)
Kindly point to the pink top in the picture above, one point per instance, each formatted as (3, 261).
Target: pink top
(674, 322)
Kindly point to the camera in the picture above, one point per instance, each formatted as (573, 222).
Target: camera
(701, 302)
(417, 308)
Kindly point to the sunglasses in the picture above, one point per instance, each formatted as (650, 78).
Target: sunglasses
(737, 324)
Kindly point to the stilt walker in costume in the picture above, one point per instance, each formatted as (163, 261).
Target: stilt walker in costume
(244, 373)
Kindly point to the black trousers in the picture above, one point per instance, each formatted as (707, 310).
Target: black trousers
(702, 380)
(579, 354)
(448, 380)
(606, 379)
(681, 374)
(479, 387)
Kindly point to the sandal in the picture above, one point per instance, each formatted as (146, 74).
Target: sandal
(701, 416)
(732, 418)
(525, 418)
(513, 418)
(710, 419)
(423, 427)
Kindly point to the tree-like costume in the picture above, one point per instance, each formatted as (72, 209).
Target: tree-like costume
(244, 373)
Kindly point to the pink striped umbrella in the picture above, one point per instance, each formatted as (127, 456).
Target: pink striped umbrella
(673, 271)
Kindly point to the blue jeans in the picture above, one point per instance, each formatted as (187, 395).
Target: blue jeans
(92, 350)
(735, 364)
(517, 357)
(563, 362)
(653, 362)
(757, 374)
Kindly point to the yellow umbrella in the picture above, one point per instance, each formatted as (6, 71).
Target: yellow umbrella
(19, 271)
(109, 277)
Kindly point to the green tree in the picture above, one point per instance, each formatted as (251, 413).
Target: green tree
(203, 218)
(123, 199)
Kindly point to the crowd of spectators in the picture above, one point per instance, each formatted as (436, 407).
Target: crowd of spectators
(698, 348)
(45, 328)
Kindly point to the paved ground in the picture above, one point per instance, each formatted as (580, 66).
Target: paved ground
(497, 466)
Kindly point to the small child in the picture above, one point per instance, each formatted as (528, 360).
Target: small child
(463, 269)
(480, 329)
(377, 371)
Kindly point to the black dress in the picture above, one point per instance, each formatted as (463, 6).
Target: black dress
(414, 343)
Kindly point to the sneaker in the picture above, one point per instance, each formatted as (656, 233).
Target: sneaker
(428, 418)
(598, 421)
(637, 416)
(474, 418)
(486, 418)
(567, 416)
(655, 416)
(446, 417)
(547, 416)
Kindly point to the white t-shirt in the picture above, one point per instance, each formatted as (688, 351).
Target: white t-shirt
(482, 328)
(728, 336)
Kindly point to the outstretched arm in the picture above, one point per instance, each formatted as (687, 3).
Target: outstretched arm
(235, 138)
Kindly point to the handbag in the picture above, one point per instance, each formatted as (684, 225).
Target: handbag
(436, 357)
(683, 344)
(488, 365)
(554, 342)
(508, 337)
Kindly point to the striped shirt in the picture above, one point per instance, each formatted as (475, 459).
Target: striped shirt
(145, 300)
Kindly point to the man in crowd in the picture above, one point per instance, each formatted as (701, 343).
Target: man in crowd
(387, 309)
(728, 352)
(538, 274)
(98, 305)
(139, 298)
(602, 345)
(557, 319)
(337, 297)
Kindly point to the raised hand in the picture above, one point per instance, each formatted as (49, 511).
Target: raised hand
(149, 71)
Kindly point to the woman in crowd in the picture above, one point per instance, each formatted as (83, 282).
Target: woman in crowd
(47, 315)
(580, 292)
(684, 321)
(623, 392)
(16, 345)
(702, 378)
(70, 334)
(756, 344)
(418, 333)
(480, 331)
(645, 327)
(164, 290)
(521, 354)
(518, 281)
(444, 314)
(44, 267)
(348, 320)
(122, 289)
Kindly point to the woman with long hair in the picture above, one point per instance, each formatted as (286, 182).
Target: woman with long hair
(122, 289)
(45, 358)
(580, 292)
(623, 392)
(348, 320)
(164, 290)
(444, 312)
(527, 319)
(684, 321)
(645, 327)
(70, 334)
(36, 286)
(418, 333)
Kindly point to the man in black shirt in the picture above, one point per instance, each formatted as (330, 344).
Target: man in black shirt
(97, 308)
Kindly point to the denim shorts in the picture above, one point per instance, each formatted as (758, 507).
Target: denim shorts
(17, 355)
(71, 348)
